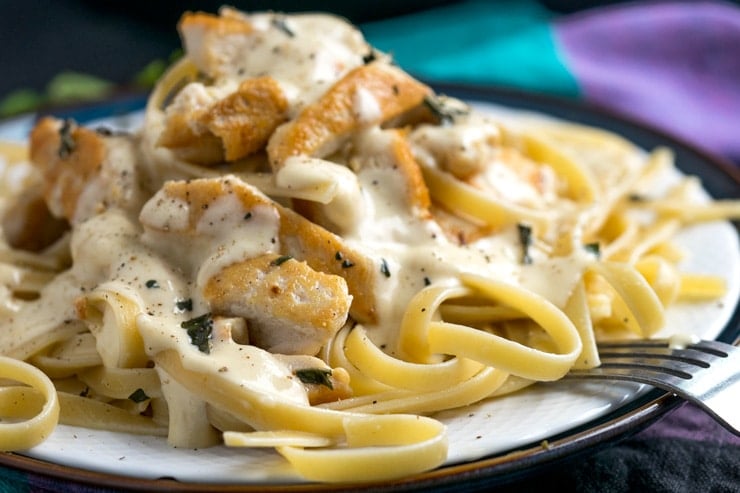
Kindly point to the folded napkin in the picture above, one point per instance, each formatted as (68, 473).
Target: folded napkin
(675, 65)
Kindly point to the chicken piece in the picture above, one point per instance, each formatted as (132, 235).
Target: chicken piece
(290, 308)
(464, 147)
(457, 229)
(314, 49)
(245, 120)
(368, 95)
(395, 154)
(339, 388)
(84, 172)
(297, 237)
(327, 252)
(205, 132)
(204, 37)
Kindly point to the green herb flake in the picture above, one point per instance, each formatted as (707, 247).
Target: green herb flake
(594, 248)
(199, 329)
(247, 216)
(150, 74)
(338, 256)
(138, 395)
(370, 56)
(67, 143)
(525, 239)
(281, 24)
(184, 305)
(384, 268)
(281, 260)
(346, 264)
(317, 376)
(442, 110)
(151, 284)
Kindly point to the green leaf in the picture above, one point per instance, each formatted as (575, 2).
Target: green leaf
(68, 87)
(317, 376)
(150, 74)
(138, 395)
(20, 101)
(199, 329)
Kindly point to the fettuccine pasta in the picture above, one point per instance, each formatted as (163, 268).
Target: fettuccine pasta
(304, 248)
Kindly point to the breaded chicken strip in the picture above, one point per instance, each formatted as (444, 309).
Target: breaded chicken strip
(291, 308)
(189, 205)
(368, 95)
(85, 171)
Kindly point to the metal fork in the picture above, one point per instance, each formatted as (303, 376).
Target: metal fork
(705, 372)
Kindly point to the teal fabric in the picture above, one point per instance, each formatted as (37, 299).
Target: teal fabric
(505, 43)
(13, 481)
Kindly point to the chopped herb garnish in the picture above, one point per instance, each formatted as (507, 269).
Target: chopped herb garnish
(280, 23)
(346, 264)
(248, 215)
(370, 57)
(184, 305)
(384, 268)
(594, 248)
(338, 256)
(427, 281)
(67, 143)
(525, 238)
(281, 260)
(151, 284)
(444, 112)
(138, 395)
(318, 376)
(109, 132)
(199, 329)
(636, 197)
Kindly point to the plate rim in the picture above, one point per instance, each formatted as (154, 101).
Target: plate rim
(495, 469)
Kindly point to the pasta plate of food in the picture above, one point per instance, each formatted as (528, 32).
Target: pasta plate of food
(299, 263)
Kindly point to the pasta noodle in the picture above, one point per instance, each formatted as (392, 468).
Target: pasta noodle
(30, 423)
(304, 248)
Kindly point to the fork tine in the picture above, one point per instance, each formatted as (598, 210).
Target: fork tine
(680, 362)
(665, 346)
(704, 372)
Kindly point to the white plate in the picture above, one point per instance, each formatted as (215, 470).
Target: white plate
(475, 432)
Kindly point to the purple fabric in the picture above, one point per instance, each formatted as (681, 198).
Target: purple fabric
(675, 65)
(691, 423)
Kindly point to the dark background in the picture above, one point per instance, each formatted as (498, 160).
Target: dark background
(116, 39)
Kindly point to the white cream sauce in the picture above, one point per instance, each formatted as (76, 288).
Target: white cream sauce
(417, 251)
(463, 149)
(243, 365)
(328, 183)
